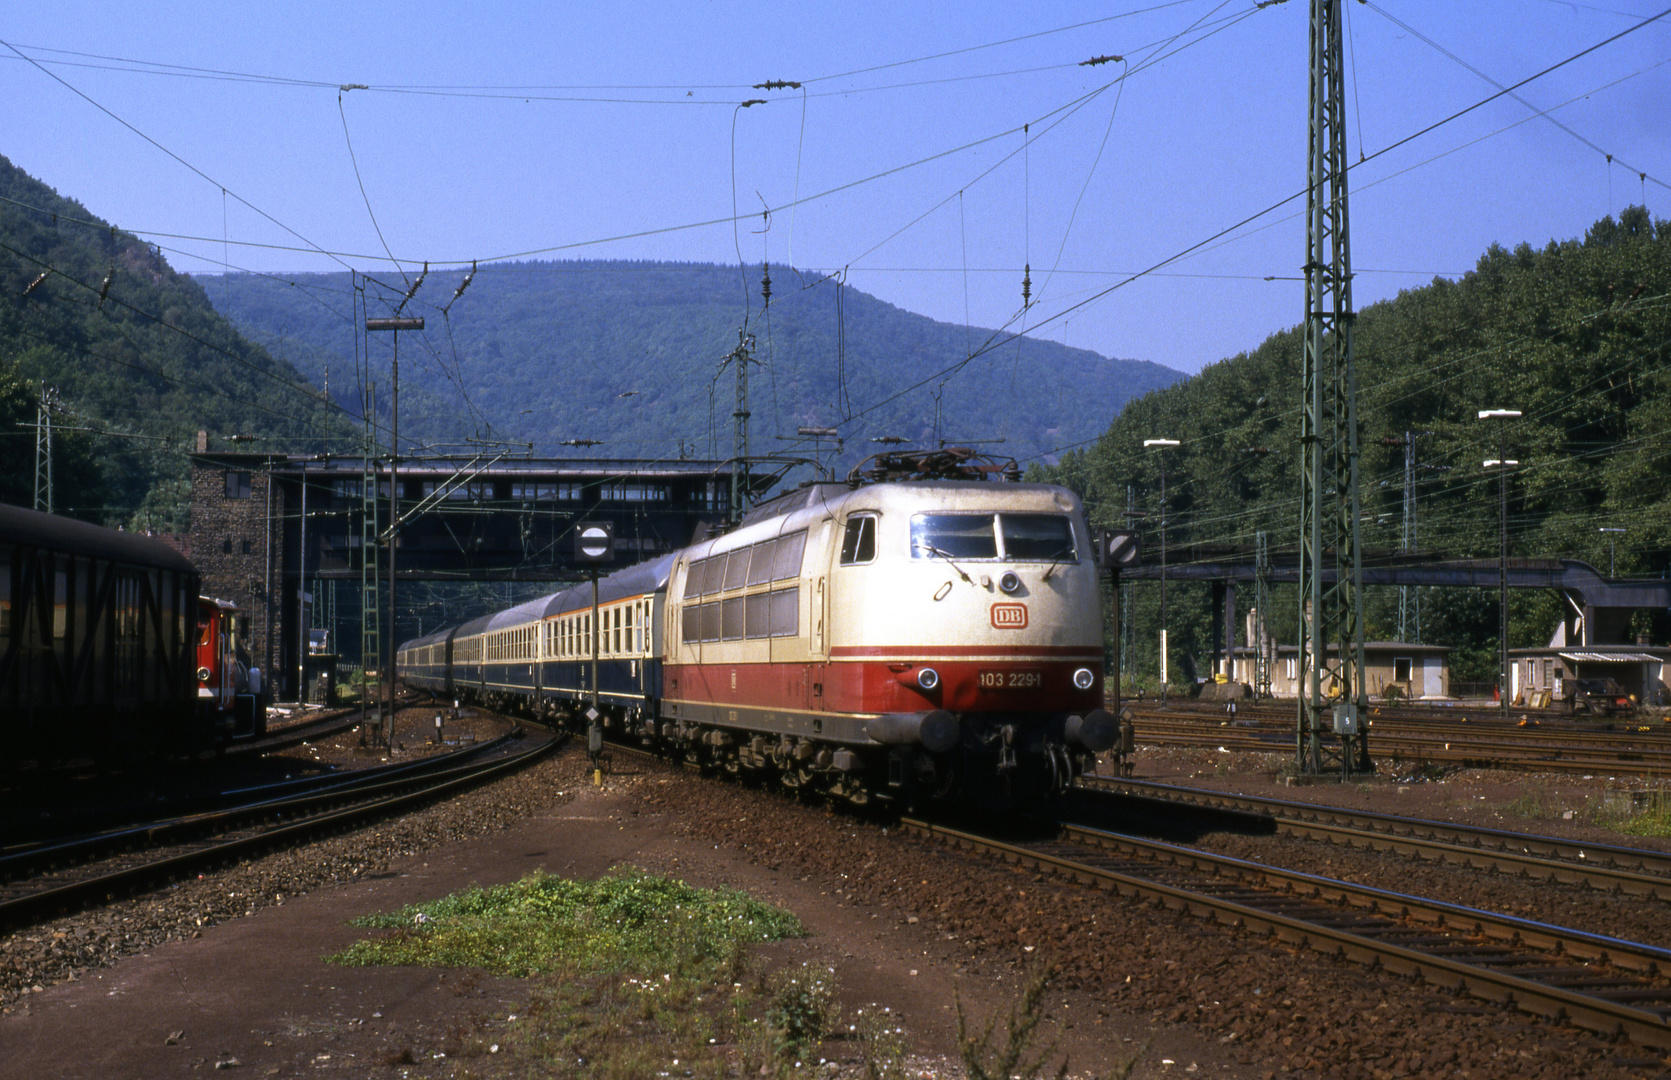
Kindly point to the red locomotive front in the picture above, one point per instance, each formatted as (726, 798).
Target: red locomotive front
(225, 699)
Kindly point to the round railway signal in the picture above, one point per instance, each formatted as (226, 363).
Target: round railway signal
(594, 541)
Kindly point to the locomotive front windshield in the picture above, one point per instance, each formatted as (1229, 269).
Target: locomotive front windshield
(1015, 537)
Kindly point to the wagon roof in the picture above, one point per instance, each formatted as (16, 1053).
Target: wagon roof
(73, 537)
(640, 580)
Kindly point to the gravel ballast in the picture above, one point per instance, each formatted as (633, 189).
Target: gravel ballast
(902, 917)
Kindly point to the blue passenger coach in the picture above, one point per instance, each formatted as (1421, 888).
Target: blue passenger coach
(537, 656)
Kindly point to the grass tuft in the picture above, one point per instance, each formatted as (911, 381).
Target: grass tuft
(627, 921)
(632, 976)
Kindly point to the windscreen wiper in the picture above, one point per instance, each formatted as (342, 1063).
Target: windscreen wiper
(932, 550)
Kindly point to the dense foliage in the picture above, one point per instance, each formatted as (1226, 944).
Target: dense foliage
(629, 353)
(132, 348)
(1576, 335)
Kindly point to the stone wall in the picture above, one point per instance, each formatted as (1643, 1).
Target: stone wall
(236, 535)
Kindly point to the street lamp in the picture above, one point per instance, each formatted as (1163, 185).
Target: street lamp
(1162, 444)
(1502, 464)
(1610, 547)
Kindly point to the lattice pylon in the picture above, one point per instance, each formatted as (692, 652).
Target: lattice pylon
(1331, 689)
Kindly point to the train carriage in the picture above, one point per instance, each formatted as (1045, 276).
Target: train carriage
(919, 640)
(631, 607)
(96, 639)
(425, 662)
(469, 658)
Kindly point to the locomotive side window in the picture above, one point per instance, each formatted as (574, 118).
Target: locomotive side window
(786, 610)
(758, 615)
(708, 622)
(761, 560)
(689, 628)
(697, 582)
(957, 536)
(787, 563)
(732, 621)
(1037, 537)
(736, 569)
(858, 543)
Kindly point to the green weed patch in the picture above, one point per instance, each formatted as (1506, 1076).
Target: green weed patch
(628, 922)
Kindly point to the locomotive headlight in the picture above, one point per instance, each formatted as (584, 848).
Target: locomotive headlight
(928, 678)
(1083, 678)
(1009, 582)
(202, 674)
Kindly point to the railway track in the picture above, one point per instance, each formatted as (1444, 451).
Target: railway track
(1610, 868)
(43, 879)
(1461, 743)
(1603, 984)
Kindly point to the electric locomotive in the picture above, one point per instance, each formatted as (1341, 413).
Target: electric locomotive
(912, 640)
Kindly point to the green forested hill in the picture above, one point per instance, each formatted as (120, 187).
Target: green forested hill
(1576, 335)
(543, 351)
(130, 346)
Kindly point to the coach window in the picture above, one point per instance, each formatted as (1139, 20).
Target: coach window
(858, 544)
(237, 485)
(60, 600)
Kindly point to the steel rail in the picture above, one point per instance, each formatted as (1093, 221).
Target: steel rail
(255, 803)
(1608, 867)
(1516, 961)
(1458, 752)
(326, 814)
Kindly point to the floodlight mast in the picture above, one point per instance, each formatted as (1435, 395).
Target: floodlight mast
(1502, 464)
(1162, 444)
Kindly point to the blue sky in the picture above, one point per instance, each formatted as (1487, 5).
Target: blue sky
(613, 131)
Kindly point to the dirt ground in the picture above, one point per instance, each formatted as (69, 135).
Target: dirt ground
(254, 995)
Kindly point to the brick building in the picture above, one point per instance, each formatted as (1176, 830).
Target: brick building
(234, 505)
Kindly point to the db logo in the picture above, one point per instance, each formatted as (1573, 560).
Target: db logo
(1009, 616)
